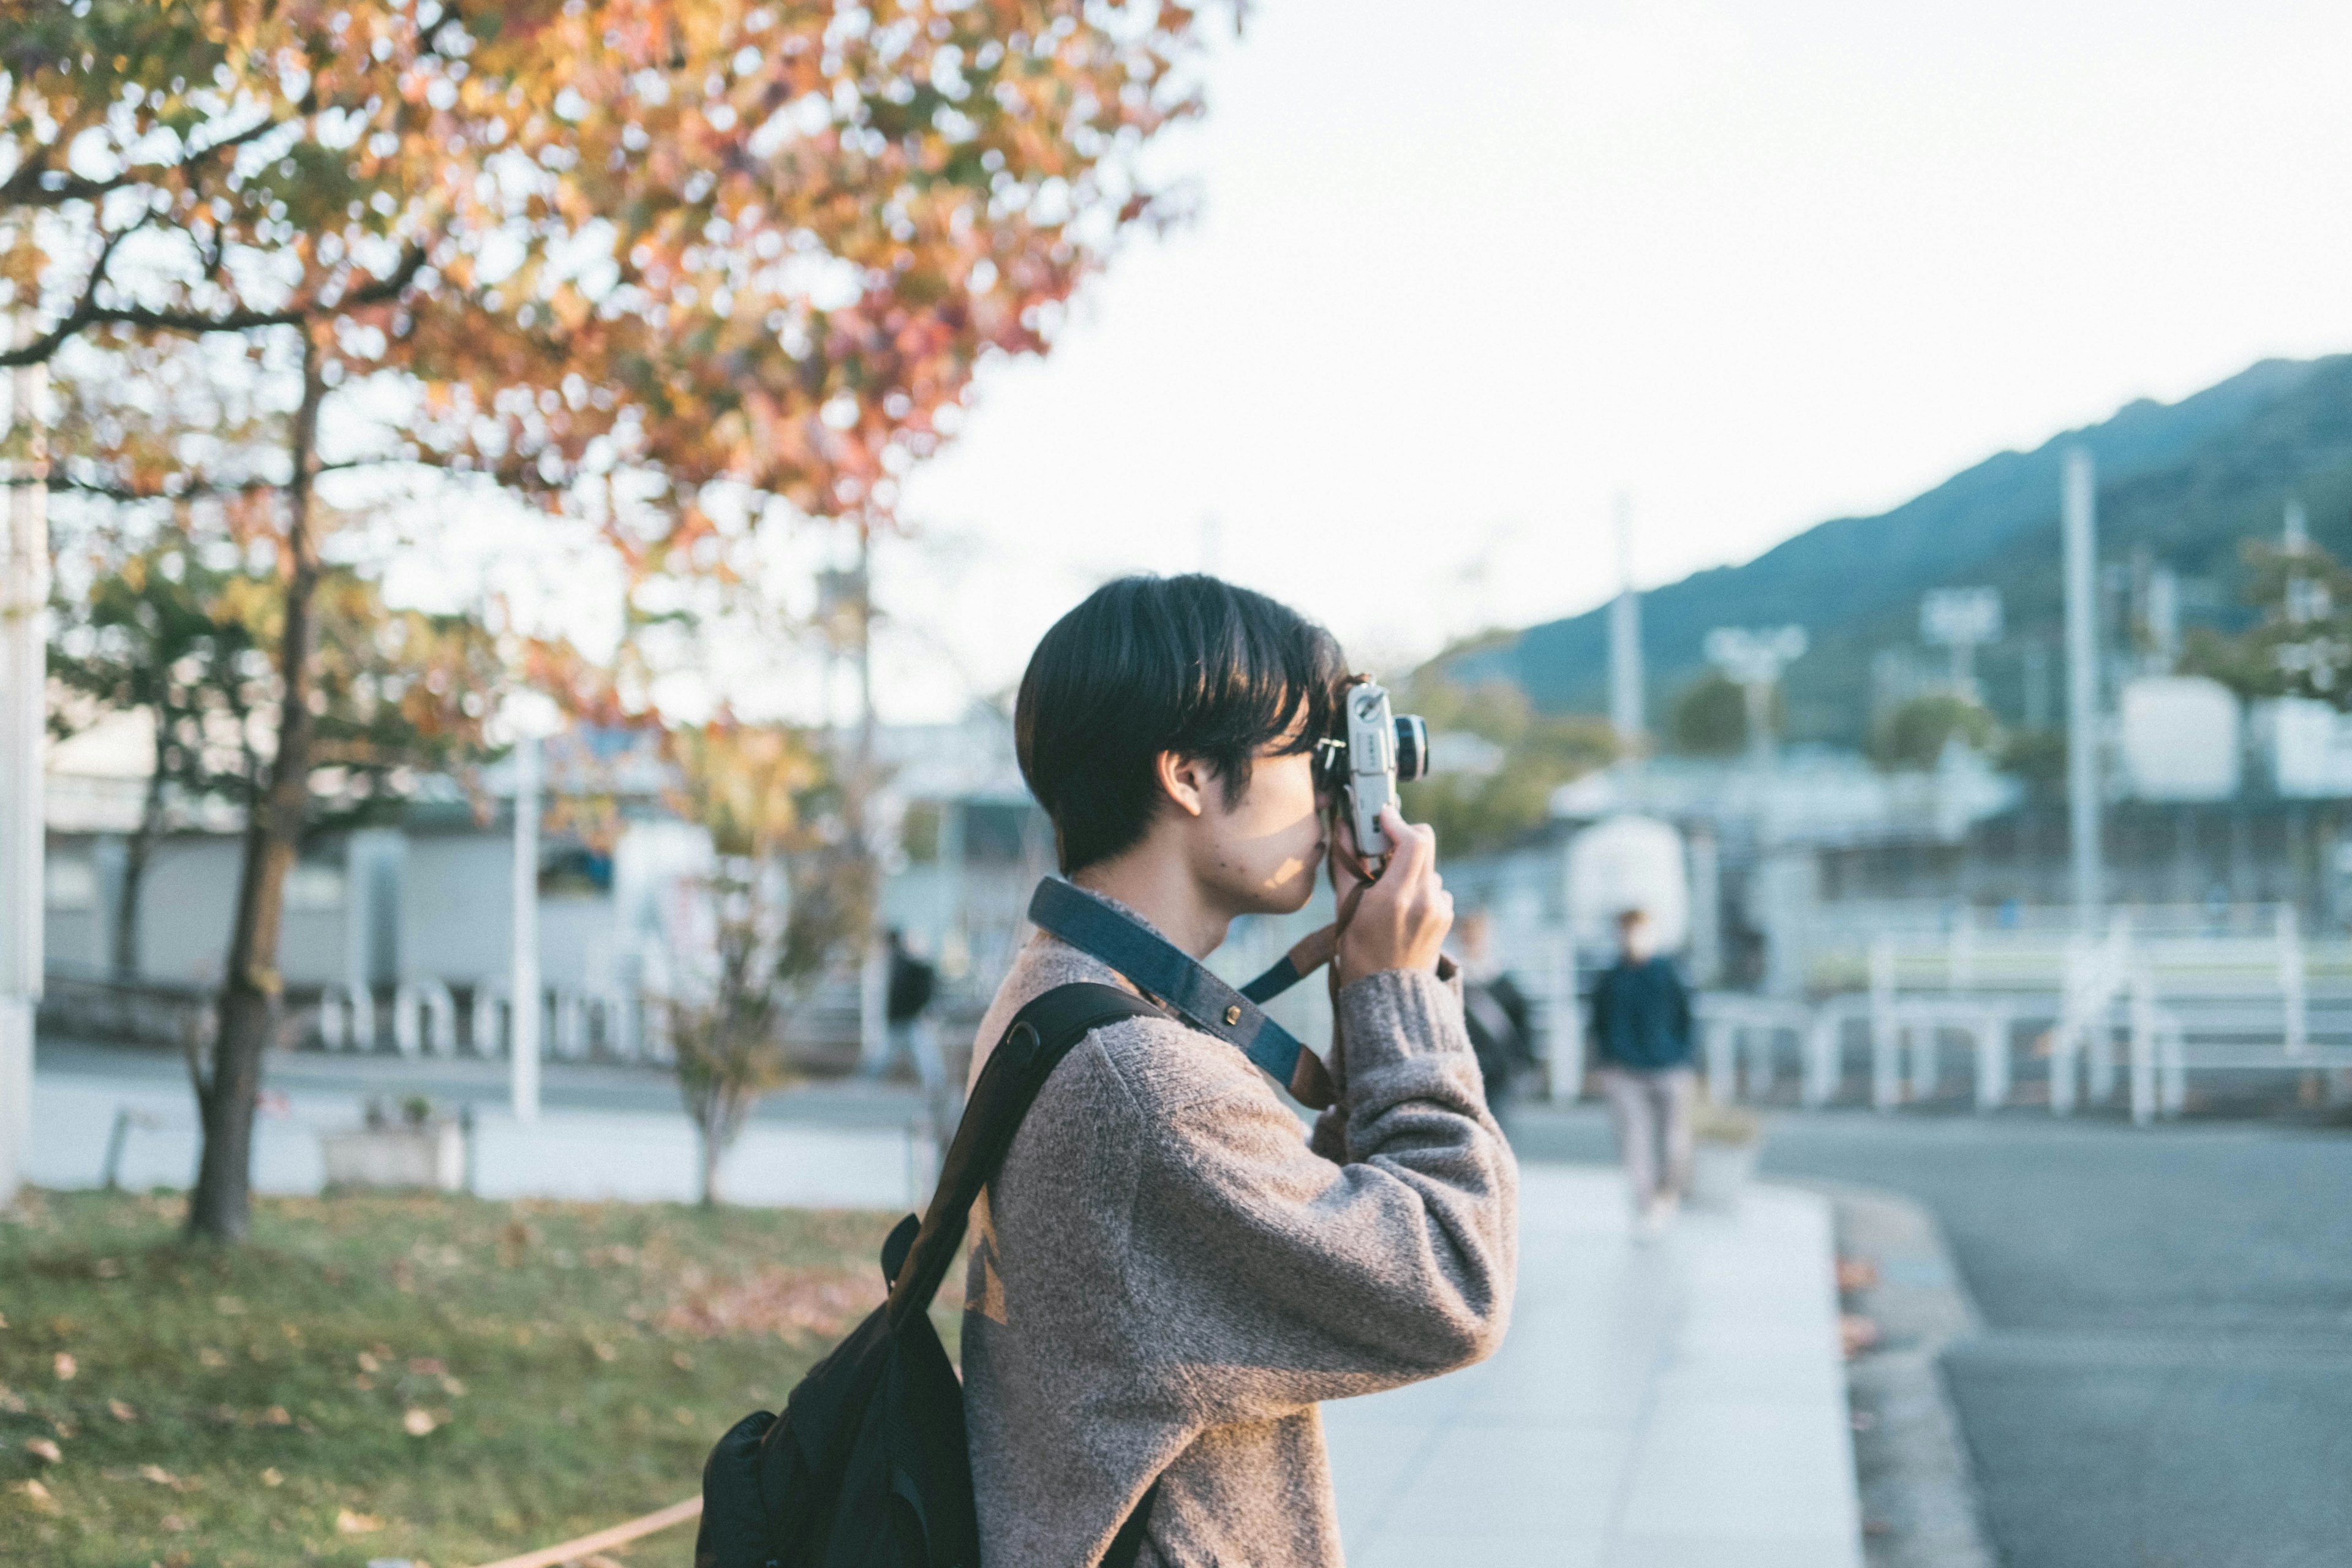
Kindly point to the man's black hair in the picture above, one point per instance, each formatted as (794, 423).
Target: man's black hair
(1190, 665)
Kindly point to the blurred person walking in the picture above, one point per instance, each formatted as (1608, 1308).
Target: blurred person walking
(910, 985)
(1496, 1011)
(1642, 1033)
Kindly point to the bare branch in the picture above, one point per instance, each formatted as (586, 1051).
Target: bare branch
(28, 187)
(89, 313)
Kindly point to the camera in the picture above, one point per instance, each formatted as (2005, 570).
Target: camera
(1378, 750)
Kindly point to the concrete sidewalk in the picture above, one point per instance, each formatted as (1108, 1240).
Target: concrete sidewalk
(1674, 1404)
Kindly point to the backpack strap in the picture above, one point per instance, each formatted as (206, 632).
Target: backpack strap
(1034, 1043)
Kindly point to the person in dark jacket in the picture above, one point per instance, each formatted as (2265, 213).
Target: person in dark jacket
(1501, 1023)
(1642, 1035)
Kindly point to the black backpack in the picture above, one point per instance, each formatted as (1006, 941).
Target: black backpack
(866, 1466)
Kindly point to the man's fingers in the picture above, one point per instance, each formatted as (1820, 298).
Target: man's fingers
(1410, 849)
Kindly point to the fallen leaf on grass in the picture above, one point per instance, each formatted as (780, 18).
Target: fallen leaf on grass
(271, 1477)
(38, 1495)
(350, 1523)
(173, 1522)
(65, 1367)
(207, 1356)
(418, 1422)
(48, 1453)
(160, 1475)
(120, 1411)
(776, 1301)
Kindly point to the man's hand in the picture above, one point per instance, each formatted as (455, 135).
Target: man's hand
(1399, 922)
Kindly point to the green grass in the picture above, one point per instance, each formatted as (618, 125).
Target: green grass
(433, 1378)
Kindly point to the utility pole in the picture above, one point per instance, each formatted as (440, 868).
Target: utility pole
(873, 969)
(24, 680)
(2081, 497)
(1625, 642)
(522, 1038)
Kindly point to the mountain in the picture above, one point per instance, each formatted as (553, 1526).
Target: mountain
(2183, 484)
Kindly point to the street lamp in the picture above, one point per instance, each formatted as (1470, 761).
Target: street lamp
(1753, 659)
(1960, 620)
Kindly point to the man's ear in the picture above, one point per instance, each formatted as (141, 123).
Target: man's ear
(1185, 781)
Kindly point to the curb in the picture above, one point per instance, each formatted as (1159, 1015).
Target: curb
(1920, 1504)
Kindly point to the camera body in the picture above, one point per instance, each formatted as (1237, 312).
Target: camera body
(1382, 750)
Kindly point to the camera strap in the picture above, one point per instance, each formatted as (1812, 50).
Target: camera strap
(1177, 979)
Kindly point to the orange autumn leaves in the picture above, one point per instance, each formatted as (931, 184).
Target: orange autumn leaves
(758, 244)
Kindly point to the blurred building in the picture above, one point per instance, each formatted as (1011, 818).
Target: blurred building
(381, 921)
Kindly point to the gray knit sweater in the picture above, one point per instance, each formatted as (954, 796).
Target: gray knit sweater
(1166, 1276)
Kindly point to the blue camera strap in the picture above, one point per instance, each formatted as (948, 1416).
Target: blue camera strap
(1177, 979)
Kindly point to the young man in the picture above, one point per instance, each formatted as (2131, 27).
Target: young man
(1167, 1274)
(1642, 1033)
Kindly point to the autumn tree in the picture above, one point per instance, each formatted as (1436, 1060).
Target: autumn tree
(664, 269)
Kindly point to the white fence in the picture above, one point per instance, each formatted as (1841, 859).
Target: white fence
(2163, 995)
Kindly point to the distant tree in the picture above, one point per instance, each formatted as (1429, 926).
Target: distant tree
(160, 636)
(1475, 813)
(185, 633)
(1709, 718)
(649, 263)
(1915, 734)
(2037, 757)
(2302, 644)
(775, 918)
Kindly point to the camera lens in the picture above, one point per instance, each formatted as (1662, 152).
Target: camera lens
(1411, 747)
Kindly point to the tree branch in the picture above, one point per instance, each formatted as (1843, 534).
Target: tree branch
(59, 484)
(25, 188)
(89, 313)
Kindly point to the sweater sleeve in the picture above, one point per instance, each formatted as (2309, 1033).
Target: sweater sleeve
(1268, 1277)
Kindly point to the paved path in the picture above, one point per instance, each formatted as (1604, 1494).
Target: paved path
(1674, 1404)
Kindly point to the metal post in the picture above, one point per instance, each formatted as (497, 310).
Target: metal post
(1886, 1039)
(1563, 1023)
(1719, 1039)
(24, 676)
(2143, 1050)
(1625, 641)
(2292, 987)
(1822, 1055)
(2082, 688)
(523, 1031)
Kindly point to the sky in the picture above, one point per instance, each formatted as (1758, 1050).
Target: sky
(1461, 276)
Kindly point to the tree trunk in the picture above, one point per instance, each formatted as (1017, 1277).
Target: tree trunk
(711, 1151)
(227, 1094)
(136, 853)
